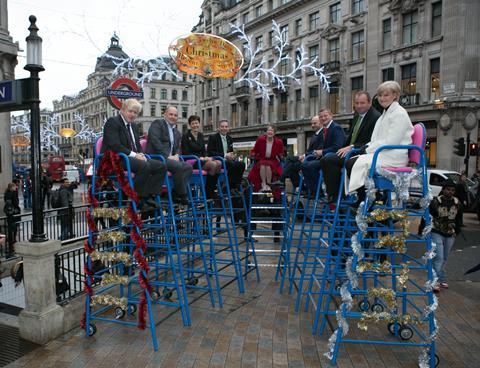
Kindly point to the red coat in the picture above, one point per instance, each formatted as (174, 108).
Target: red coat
(258, 153)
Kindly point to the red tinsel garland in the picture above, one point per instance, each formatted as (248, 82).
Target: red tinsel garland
(109, 165)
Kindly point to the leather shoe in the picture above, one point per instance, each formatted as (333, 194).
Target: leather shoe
(277, 183)
(180, 199)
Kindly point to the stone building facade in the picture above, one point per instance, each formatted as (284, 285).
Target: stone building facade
(8, 61)
(431, 47)
(92, 104)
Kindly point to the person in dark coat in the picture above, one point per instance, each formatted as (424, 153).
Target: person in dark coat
(12, 211)
(47, 185)
(65, 212)
(361, 128)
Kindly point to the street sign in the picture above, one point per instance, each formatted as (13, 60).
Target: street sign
(122, 88)
(10, 95)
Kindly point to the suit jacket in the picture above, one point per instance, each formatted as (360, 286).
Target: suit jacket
(215, 146)
(316, 142)
(158, 141)
(366, 129)
(192, 146)
(115, 136)
(335, 139)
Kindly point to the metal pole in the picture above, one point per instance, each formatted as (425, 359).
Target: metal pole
(467, 154)
(38, 231)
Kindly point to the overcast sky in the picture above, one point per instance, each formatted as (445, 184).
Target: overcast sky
(75, 33)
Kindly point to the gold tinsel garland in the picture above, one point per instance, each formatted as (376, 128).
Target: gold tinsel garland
(112, 257)
(397, 243)
(380, 214)
(384, 267)
(115, 236)
(369, 317)
(108, 279)
(387, 295)
(402, 277)
(106, 299)
(112, 213)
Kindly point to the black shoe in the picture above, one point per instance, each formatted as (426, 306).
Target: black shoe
(147, 204)
(276, 184)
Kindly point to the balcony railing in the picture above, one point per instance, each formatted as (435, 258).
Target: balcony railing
(242, 91)
(331, 67)
(412, 99)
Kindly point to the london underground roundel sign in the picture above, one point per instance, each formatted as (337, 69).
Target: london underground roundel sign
(123, 88)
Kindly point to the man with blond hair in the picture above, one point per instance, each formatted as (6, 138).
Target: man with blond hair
(120, 135)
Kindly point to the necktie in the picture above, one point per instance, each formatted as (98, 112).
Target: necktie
(131, 138)
(172, 142)
(325, 131)
(225, 145)
(356, 129)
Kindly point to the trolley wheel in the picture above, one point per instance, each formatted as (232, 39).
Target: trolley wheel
(154, 295)
(167, 293)
(391, 328)
(119, 313)
(405, 333)
(192, 281)
(377, 308)
(364, 305)
(437, 360)
(92, 329)
(131, 309)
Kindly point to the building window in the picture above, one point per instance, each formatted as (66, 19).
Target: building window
(270, 38)
(333, 98)
(259, 11)
(153, 110)
(314, 21)
(258, 110)
(298, 103)
(283, 67)
(388, 74)
(437, 19)
(409, 27)
(174, 94)
(335, 13)
(184, 77)
(298, 27)
(244, 117)
(334, 50)
(435, 79)
(233, 115)
(357, 85)
(163, 94)
(387, 34)
(163, 108)
(259, 42)
(357, 6)
(184, 95)
(245, 18)
(270, 108)
(283, 2)
(284, 32)
(152, 92)
(358, 46)
(313, 52)
(313, 100)
(409, 79)
(184, 112)
(283, 106)
(209, 88)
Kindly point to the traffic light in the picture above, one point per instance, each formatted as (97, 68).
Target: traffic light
(459, 146)
(473, 149)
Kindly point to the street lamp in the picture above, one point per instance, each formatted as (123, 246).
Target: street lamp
(34, 66)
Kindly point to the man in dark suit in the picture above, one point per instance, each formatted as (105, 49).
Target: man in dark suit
(120, 135)
(164, 139)
(361, 128)
(293, 163)
(331, 138)
(221, 144)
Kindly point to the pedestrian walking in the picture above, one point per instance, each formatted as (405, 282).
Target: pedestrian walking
(65, 213)
(446, 215)
(12, 211)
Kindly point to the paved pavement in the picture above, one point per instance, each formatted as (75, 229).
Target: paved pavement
(261, 329)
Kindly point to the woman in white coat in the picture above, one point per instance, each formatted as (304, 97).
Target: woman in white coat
(392, 128)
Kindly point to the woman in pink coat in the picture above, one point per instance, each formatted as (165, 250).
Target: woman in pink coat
(267, 152)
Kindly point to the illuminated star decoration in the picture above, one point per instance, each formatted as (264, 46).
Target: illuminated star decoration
(86, 132)
(258, 69)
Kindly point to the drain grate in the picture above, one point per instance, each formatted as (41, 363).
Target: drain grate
(12, 346)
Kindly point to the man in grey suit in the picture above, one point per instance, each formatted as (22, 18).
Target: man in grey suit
(164, 139)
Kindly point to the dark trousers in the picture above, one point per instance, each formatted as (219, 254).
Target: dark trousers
(149, 176)
(235, 170)
(332, 170)
(291, 170)
(181, 172)
(311, 170)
